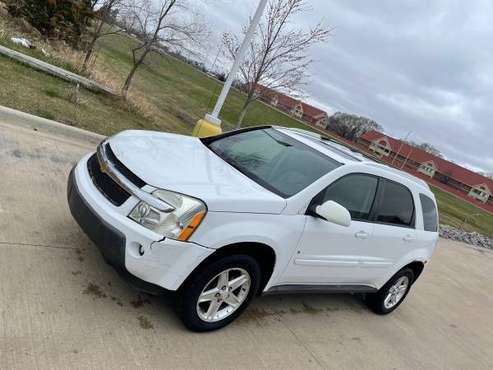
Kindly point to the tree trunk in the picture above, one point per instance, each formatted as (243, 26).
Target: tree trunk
(131, 74)
(244, 110)
(90, 49)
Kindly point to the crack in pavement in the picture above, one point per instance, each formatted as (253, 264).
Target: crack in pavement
(37, 245)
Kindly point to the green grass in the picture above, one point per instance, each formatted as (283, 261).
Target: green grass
(168, 95)
(28, 90)
(181, 90)
(453, 211)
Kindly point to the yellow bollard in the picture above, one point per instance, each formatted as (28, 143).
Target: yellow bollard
(204, 128)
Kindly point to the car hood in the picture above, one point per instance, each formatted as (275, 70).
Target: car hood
(185, 165)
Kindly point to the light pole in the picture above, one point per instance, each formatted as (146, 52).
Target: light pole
(211, 124)
(400, 147)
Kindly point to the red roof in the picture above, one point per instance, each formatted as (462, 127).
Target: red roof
(312, 111)
(285, 100)
(290, 102)
(445, 167)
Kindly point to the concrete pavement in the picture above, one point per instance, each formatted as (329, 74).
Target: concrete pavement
(62, 307)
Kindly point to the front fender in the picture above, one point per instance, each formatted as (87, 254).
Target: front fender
(280, 232)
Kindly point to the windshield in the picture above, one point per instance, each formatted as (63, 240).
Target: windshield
(274, 160)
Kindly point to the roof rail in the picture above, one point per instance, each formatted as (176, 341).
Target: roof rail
(408, 176)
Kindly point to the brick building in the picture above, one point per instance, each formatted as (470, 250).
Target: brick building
(444, 173)
(294, 107)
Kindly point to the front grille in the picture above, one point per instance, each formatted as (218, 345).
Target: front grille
(106, 185)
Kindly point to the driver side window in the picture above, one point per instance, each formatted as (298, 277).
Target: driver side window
(356, 192)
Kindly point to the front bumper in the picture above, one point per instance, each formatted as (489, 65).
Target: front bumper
(164, 264)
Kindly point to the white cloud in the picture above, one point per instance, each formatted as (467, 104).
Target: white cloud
(424, 66)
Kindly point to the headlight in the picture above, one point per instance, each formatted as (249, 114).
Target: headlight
(178, 224)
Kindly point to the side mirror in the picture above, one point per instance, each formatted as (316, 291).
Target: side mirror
(334, 212)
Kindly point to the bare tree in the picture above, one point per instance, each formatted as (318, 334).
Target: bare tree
(160, 23)
(277, 57)
(104, 14)
(94, 4)
(351, 126)
(427, 147)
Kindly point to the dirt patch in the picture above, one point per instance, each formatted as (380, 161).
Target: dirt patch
(79, 255)
(25, 155)
(117, 301)
(310, 309)
(260, 313)
(75, 273)
(145, 323)
(94, 290)
(140, 301)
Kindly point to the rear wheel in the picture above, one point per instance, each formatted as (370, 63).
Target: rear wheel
(218, 293)
(392, 294)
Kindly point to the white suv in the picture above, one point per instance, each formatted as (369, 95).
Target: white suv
(256, 211)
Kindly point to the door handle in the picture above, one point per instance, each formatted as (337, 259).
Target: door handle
(409, 238)
(362, 235)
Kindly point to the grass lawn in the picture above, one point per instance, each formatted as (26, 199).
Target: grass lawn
(454, 210)
(168, 95)
(173, 86)
(30, 91)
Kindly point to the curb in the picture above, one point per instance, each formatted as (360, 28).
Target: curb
(55, 71)
(26, 120)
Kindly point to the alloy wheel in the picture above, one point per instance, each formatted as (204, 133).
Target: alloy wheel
(396, 292)
(223, 294)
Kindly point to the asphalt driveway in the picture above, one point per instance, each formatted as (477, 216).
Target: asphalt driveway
(62, 307)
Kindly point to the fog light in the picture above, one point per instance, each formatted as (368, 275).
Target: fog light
(141, 249)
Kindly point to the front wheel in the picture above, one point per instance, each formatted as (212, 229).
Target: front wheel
(218, 293)
(392, 294)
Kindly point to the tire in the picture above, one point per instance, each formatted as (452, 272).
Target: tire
(209, 282)
(381, 303)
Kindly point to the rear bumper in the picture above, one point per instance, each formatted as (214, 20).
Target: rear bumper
(164, 265)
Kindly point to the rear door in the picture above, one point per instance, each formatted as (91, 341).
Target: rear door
(394, 233)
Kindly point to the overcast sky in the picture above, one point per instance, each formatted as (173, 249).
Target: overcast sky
(420, 66)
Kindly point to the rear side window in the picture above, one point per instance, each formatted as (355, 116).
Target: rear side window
(430, 217)
(395, 204)
(355, 192)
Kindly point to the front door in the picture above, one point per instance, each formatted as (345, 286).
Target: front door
(329, 253)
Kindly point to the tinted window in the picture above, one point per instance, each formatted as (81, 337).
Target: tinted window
(430, 218)
(355, 192)
(395, 205)
(273, 159)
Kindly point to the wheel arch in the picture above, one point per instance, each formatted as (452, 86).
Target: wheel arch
(417, 267)
(262, 253)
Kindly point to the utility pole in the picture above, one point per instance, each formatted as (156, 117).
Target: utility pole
(407, 158)
(211, 124)
(400, 147)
